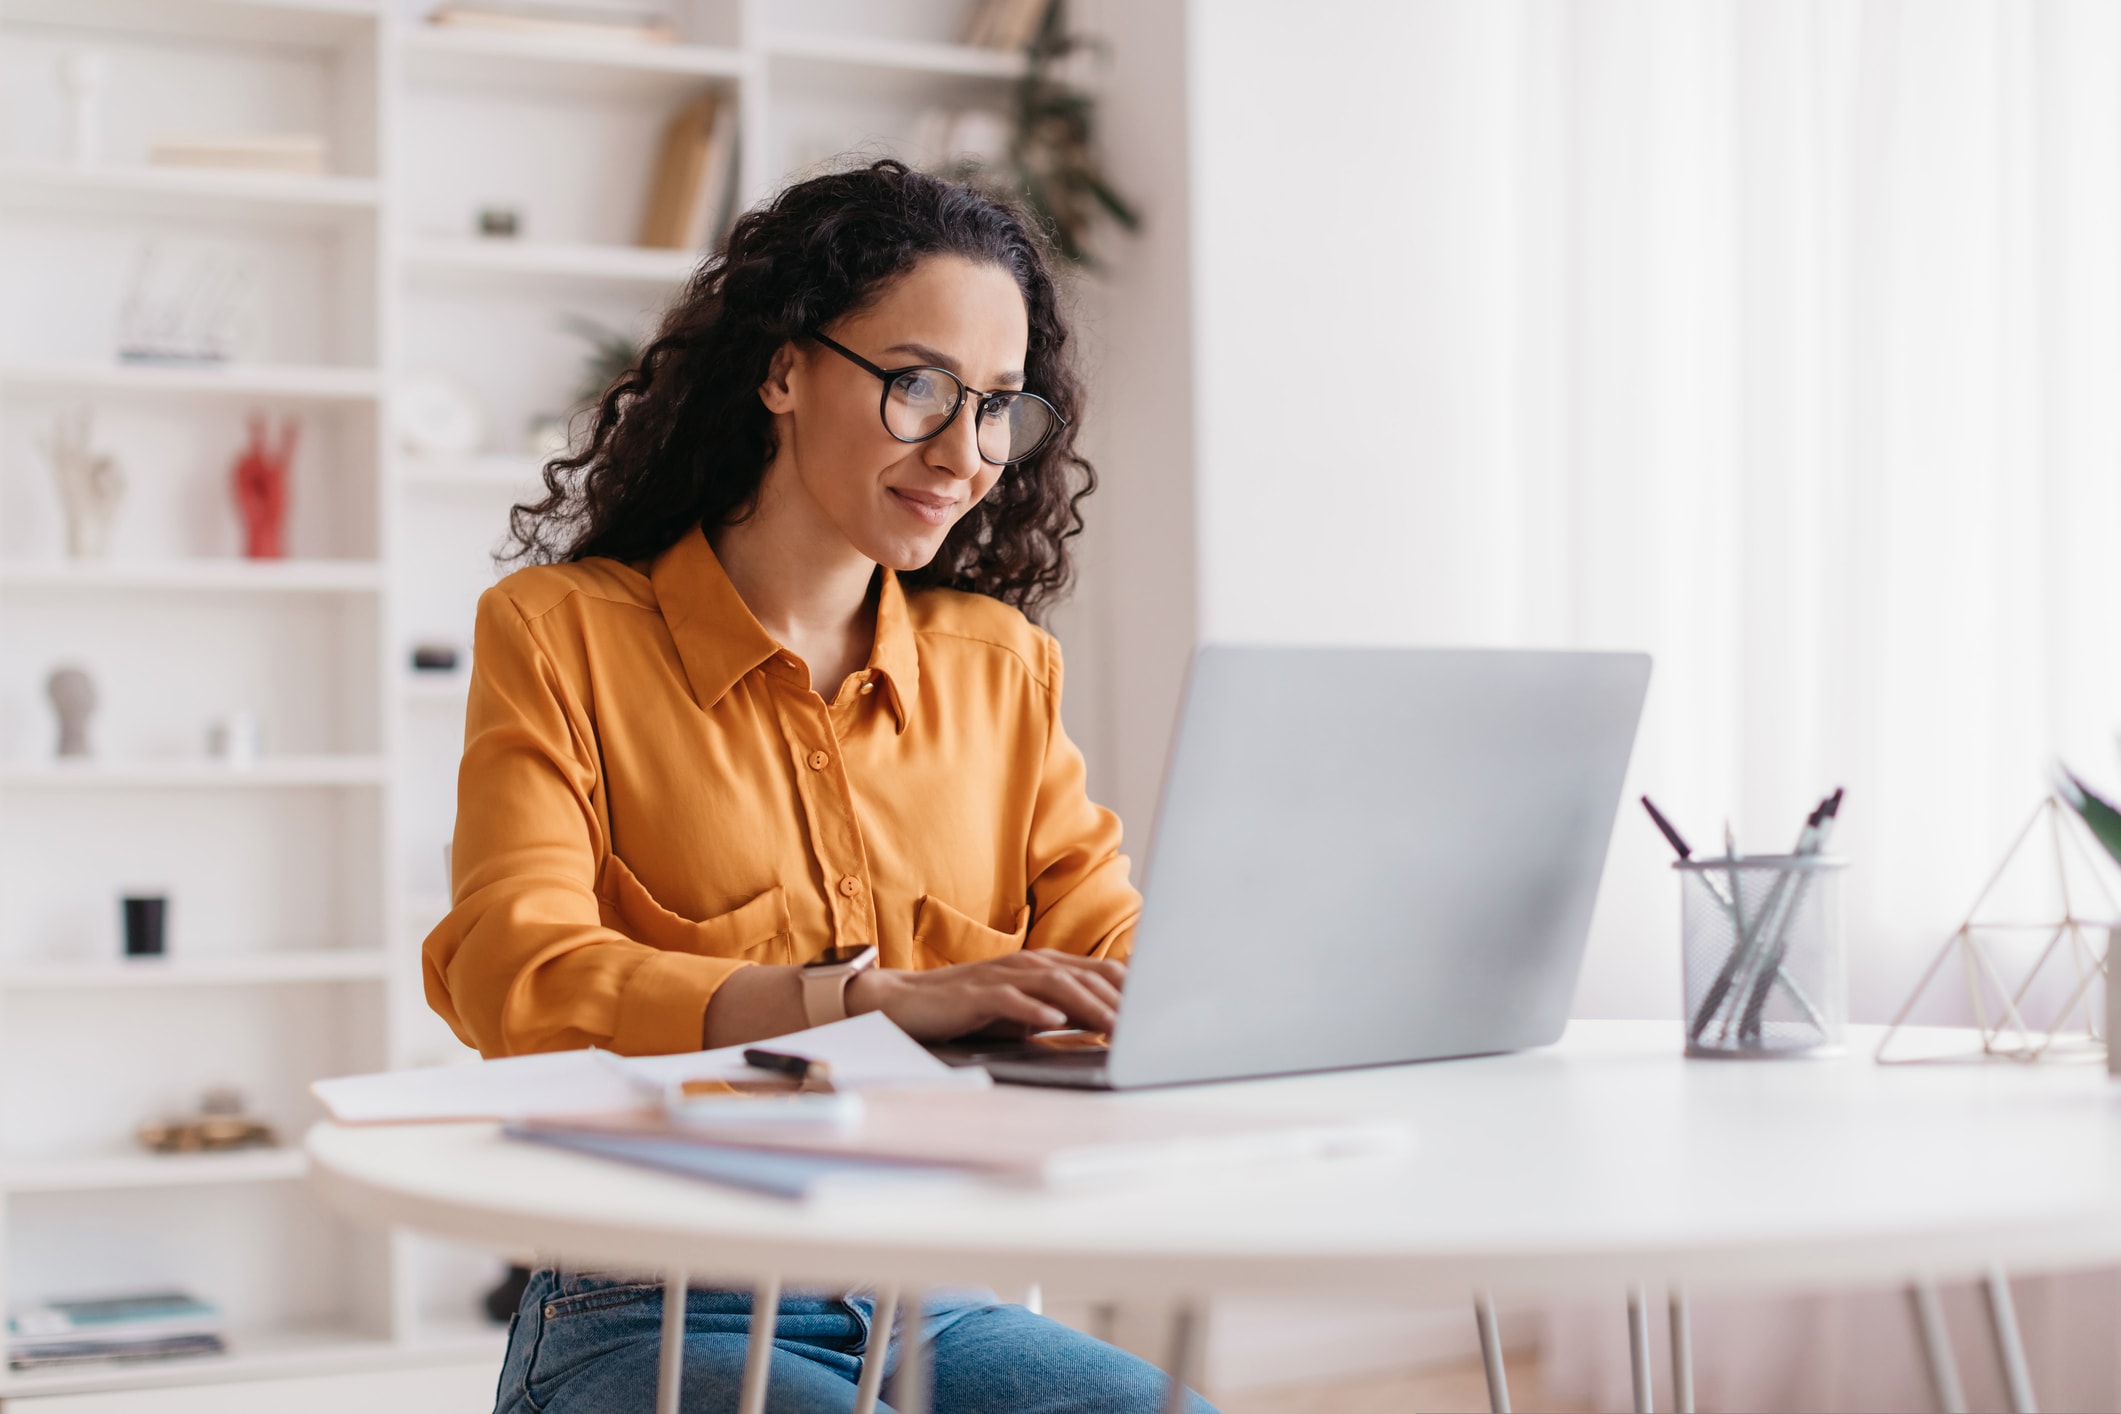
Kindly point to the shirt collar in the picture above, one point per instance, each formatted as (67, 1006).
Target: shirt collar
(719, 639)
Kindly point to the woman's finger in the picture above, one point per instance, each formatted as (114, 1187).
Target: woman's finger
(1069, 991)
(1004, 1002)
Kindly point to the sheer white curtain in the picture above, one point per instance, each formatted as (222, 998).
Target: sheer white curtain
(1821, 332)
(1781, 338)
(1821, 322)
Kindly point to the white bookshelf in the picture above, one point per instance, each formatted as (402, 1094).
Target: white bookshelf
(303, 885)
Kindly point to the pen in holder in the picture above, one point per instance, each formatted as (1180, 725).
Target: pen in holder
(1763, 954)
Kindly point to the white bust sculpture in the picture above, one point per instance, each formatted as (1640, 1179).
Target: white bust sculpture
(73, 694)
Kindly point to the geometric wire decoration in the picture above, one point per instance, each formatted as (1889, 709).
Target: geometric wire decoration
(2072, 1029)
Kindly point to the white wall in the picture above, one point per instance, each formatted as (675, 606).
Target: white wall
(1130, 630)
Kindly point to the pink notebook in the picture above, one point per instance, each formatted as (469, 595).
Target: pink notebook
(1042, 1137)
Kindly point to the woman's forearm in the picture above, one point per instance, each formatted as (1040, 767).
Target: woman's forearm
(755, 1003)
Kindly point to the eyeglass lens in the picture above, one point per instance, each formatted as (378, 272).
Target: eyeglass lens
(1011, 425)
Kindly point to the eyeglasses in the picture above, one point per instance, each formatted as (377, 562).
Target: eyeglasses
(921, 401)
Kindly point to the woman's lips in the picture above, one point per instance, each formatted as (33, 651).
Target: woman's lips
(936, 510)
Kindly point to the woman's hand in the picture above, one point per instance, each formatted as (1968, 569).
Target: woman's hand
(1037, 989)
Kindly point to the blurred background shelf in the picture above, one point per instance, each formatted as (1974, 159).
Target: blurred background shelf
(104, 1172)
(312, 965)
(374, 282)
(271, 772)
(562, 67)
(213, 576)
(912, 57)
(187, 193)
(300, 22)
(588, 264)
(288, 382)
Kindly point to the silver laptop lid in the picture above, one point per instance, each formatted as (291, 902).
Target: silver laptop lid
(1371, 855)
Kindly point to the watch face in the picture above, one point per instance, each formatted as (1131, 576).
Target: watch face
(836, 957)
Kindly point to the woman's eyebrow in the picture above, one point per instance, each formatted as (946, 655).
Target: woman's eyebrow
(942, 360)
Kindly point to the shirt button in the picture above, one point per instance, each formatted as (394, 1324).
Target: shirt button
(819, 760)
(850, 886)
(868, 687)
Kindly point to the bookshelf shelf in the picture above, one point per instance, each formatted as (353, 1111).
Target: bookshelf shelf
(299, 383)
(302, 22)
(567, 68)
(365, 280)
(206, 576)
(252, 1355)
(183, 193)
(910, 57)
(271, 772)
(107, 1172)
(313, 965)
(495, 471)
(583, 264)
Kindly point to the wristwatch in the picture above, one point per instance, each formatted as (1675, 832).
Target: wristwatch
(825, 978)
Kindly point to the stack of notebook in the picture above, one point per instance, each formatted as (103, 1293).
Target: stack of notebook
(137, 1326)
(893, 1114)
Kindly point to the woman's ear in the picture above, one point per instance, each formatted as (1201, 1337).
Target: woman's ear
(775, 392)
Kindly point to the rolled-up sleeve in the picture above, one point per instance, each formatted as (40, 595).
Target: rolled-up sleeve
(1081, 899)
(527, 959)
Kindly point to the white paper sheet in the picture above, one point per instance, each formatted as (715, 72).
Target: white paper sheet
(866, 1052)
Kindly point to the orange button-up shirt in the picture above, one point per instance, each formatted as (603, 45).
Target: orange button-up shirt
(652, 796)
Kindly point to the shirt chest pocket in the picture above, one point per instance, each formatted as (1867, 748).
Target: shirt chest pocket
(943, 936)
(755, 931)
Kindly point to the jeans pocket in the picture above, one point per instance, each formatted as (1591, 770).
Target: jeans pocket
(587, 1320)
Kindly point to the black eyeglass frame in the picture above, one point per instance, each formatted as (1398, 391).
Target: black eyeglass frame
(892, 375)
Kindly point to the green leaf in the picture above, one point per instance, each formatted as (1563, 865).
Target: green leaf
(2103, 819)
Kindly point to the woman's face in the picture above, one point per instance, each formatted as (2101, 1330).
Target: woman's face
(895, 501)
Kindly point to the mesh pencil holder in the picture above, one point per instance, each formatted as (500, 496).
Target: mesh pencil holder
(1764, 956)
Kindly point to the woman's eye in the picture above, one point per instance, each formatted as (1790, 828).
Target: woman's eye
(917, 387)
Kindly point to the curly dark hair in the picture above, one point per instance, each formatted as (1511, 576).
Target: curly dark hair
(681, 439)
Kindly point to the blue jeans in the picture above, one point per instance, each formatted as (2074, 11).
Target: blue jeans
(587, 1344)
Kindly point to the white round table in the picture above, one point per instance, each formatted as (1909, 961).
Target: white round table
(1605, 1161)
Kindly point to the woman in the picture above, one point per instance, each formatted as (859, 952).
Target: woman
(773, 696)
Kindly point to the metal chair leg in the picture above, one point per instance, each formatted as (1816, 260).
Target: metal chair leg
(910, 1392)
(1682, 1351)
(670, 1363)
(2010, 1350)
(1491, 1353)
(1183, 1367)
(758, 1351)
(878, 1353)
(1639, 1347)
(1936, 1337)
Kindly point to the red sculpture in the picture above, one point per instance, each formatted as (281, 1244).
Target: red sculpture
(260, 484)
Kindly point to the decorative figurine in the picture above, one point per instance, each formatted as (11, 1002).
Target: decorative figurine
(234, 739)
(434, 657)
(500, 222)
(146, 924)
(192, 310)
(73, 694)
(90, 485)
(81, 74)
(260, 485)
(219, 1124)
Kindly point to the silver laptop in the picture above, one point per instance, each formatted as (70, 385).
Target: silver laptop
(1363, 856)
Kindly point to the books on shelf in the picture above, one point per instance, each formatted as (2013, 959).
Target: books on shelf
(290, 154)
(123, 1329)
(587, 20)
(689, 197)
(1006, 24)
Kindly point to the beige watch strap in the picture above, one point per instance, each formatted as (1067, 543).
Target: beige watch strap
(825, 989)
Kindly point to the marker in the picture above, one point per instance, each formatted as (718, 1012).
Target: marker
(800, 1068)
(1664, 827)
